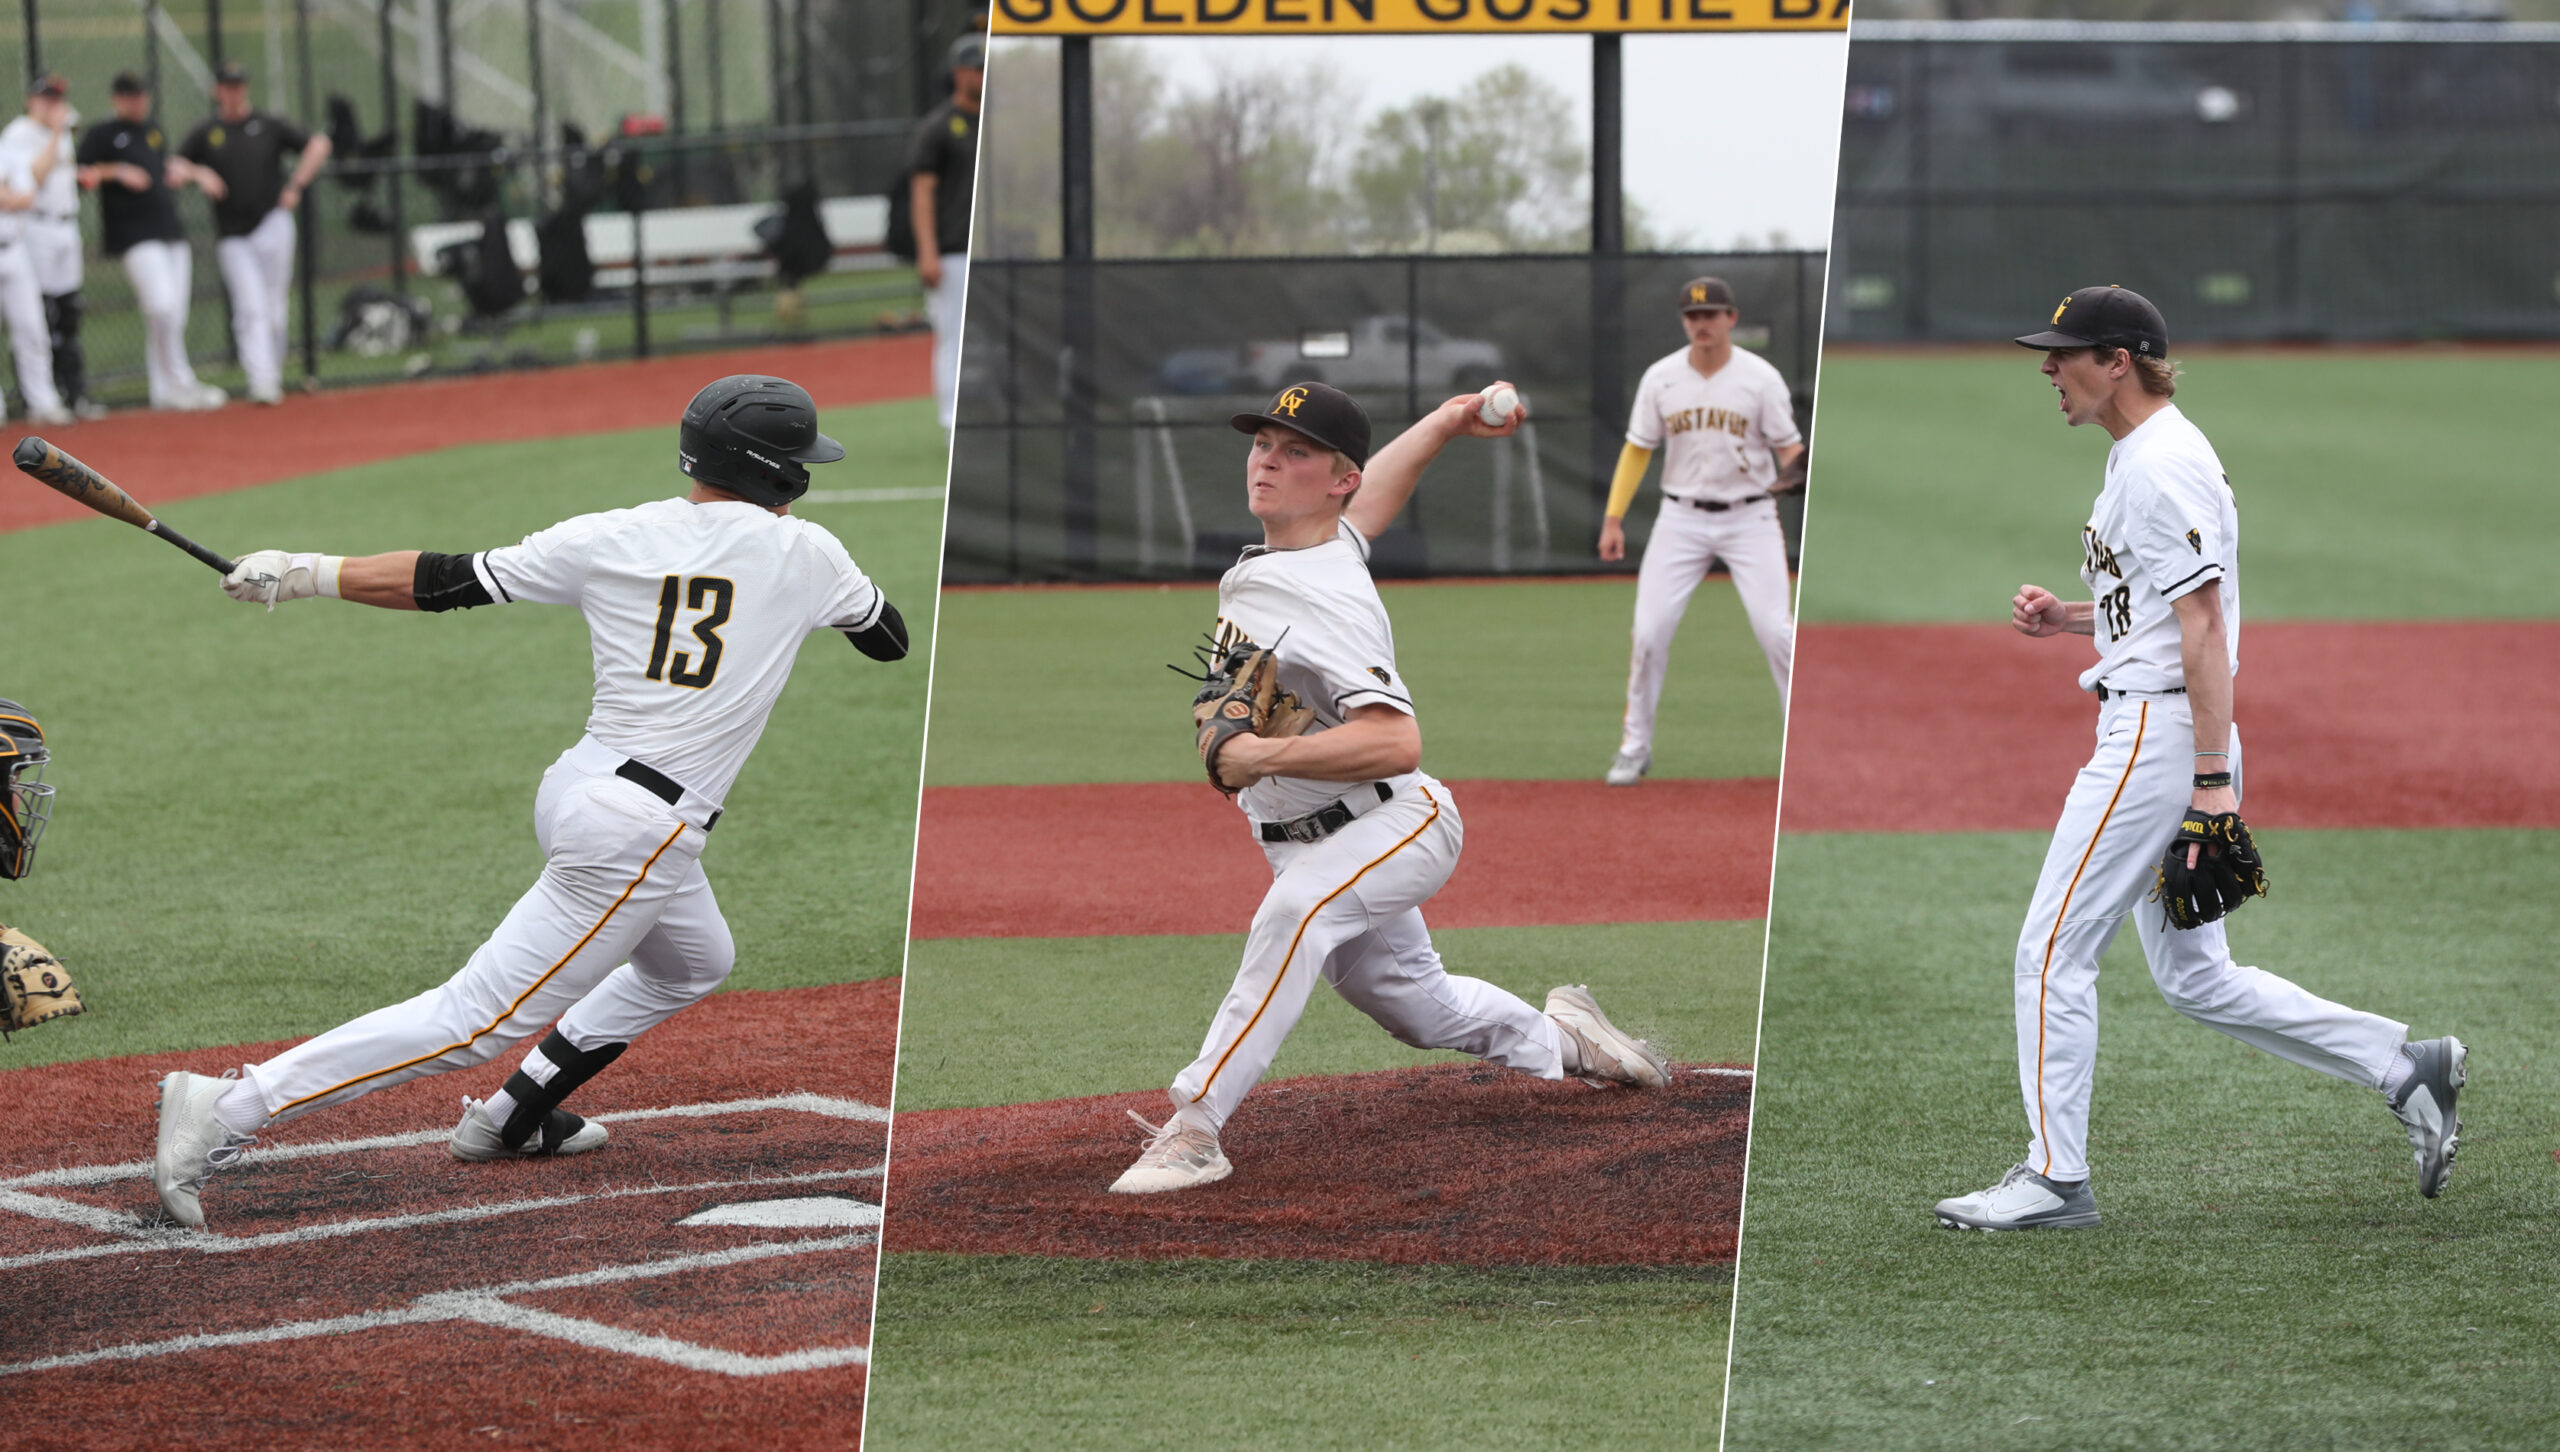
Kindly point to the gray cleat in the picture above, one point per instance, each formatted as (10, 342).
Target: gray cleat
(2425, 1106)
(2023, 1200)
(1629, 767)
(476, 1138)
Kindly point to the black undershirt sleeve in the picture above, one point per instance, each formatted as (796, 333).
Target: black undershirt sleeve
(447, 582)
(886, 639)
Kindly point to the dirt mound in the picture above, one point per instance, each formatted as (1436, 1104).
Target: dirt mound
(1964, 728)
(1172, 857)
(1451, 1164)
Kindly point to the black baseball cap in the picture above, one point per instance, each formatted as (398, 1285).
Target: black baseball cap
(1321, 412)
(1707, 295)
(48, 85)
(231, 73)
(128, 83)
(2105, 317)
(968, 53)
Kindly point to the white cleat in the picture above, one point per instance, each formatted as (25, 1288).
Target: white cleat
(1629, 767)
(192, 1145)
(2438, 1069)
(268, 396)
(52, 417)
(1597, 1050)
(2023, 1200)
(1177, 1157)
(477, 1140)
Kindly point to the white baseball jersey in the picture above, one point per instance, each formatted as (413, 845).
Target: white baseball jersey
(17, 177)
(695, 613)
(1717, 433)
(2164, 526)
(1318, 612)
(58, 195)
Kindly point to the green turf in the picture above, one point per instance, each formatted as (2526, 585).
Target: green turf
(268, 823)
(1017, 1351)
(1522, 680)
(2267, 1275)
(2398, 485)
(1019, 1020)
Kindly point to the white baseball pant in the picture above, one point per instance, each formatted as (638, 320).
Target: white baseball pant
(944, 305)
(2123, 809)
(258, 271)
(1685, 541)
(163, 275)
(1348, 908)
(54, 245)
(619, 933)
(30, 338)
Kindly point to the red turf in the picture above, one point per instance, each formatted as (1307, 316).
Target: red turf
(1952, 728)
(1461, 1163)
(161, 457)
(1173, 857)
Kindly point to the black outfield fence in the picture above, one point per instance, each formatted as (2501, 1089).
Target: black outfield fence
(1183, 344)
(2260, 182)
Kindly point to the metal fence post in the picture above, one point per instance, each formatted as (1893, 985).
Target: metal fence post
(308, 233)
(639, 258)
(713, 61)
(213, 29)
(391, 119)
(35, 44)
(1608, 275)
(541, 114)
(1083, 504)
(1915, 313)
(444, 55)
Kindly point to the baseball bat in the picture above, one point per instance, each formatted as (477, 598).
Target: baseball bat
(66, 475)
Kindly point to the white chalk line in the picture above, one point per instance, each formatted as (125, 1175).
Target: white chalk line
(1729, 1073)
(488, 1306)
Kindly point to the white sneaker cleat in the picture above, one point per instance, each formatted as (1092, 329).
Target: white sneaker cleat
(90, 409)
(1598, 1051)
(56, 417)
(1177, 1157)
(205, 399)
(193, 1143)
(2425, 1107)
(2023, 1200)
(1629, 767)
(477, 1139)
(268, 396)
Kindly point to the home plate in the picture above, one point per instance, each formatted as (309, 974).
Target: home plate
(806, 1211)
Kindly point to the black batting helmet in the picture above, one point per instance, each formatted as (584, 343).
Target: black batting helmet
(750, 434)
(26, 803)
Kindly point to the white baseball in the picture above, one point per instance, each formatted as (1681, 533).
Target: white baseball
(1500, 402)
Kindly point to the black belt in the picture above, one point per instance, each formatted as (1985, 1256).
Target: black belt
(1319, 824)
(2104, 693)
(1719, 506)
(660, 785)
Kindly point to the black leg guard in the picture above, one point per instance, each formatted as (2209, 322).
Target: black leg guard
(70, 368)
(571, 1066)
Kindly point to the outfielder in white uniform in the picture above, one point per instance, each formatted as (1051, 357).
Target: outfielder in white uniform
(1357, 836)
(40, 268)
(2160, 556)
(696, 608)
(1727, 426)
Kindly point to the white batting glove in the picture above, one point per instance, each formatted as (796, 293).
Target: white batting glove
(271, 577)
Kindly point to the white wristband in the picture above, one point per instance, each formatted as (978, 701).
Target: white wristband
(326, 575)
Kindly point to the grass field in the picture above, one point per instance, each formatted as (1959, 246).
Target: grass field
(1946, 481)
(269, 823)
(2267, 1275)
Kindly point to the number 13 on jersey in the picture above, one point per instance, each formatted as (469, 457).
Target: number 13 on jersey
(709, 594)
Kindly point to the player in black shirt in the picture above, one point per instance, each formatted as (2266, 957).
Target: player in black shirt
(942, 164)
(239, 155)
(123, 160)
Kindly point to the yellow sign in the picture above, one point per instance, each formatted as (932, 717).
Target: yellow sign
(1409, 17)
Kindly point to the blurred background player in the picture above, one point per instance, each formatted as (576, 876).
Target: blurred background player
(23, 173)
(942, 165)
(34, 986)
(52, 233)
(124, 160)
(1730, 427)
(239, 154)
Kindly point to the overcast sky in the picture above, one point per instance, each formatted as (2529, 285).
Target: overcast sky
(1728, 136)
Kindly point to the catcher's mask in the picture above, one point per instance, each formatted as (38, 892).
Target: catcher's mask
(26, 803)
(751, 434)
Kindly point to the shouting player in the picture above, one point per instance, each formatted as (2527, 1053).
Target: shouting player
(1357, 836)
(696, 607)
(2160, 556)
(1732, 443)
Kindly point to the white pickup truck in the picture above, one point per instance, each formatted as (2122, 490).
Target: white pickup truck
(1372, 353)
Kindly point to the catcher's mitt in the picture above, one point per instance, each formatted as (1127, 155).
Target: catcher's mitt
(2227, 870)
(1240, 693)
(34, 986)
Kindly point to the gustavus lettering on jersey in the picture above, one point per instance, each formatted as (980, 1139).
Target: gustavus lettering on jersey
(1707, 418)
(2099, 555)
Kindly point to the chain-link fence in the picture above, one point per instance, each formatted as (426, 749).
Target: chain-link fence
(698, 115)
(1186, 344)
(2345, 182)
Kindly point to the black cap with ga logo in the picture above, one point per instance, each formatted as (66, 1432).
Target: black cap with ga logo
(2105, 317)
(1320, 411)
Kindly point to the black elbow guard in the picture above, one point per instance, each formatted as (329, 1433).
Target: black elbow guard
(886, 639)
(447, 582)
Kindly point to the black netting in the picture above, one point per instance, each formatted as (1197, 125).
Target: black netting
(1181, 345)
(2316, 187)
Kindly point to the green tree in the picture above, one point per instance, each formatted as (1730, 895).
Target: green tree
(1494, 167)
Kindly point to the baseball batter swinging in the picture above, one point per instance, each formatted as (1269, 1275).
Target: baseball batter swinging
(696, 607)
(1728, 428)
(1357, 836)
(2160, 797)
